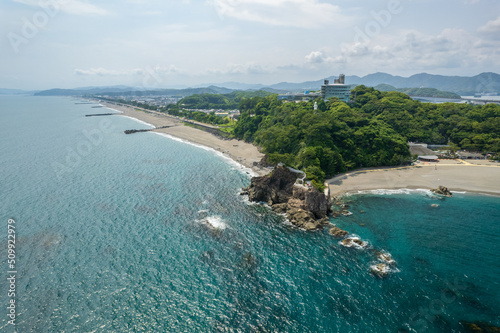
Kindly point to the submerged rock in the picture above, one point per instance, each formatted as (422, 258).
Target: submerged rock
(336, 213)
(385, 257)
(337, 232)
(354, 242)
(479, 327)
(442, 190)
(381, 270)
(345, 212)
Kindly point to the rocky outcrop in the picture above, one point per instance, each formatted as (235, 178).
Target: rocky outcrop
(478, 327)
(317, 203)
(442, 190)
(380, 270)
(305, 208)
(337, 232)
(273, 189)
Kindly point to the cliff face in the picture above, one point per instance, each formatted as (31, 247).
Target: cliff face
(305, 208)
(273, 189)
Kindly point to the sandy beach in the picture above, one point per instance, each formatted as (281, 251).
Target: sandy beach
(479, 176)
(239, 151)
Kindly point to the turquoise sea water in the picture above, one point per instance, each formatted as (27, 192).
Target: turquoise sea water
(142, 233)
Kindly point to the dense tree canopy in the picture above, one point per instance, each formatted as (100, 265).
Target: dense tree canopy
(216, 101)
(372, 131)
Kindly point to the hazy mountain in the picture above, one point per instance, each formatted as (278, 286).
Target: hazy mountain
(462, 85)
(421, 92)
(234, 86)
(14, 92)
(84, 91)
(479, 84)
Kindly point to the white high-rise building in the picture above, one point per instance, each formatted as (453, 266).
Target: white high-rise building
(338, 89)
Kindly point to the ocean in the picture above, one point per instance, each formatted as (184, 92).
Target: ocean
(144, 233)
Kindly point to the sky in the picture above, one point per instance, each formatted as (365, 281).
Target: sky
(164, 44)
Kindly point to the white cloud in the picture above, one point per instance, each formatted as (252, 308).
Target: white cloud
(414, 51)
(240, 69)
(491, 28)
(76, 7)
(294, 13)
(108, 72)
(315, 57)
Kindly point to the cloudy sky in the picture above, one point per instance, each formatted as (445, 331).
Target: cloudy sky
(155, 43)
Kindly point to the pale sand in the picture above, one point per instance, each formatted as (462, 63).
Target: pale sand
(239, 151)
(456, 175)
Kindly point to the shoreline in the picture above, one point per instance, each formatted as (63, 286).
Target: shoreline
(480, 177)
(239, 152)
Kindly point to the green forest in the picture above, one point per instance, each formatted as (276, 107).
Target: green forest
(371, 131)
(229, 101)
(422, 92)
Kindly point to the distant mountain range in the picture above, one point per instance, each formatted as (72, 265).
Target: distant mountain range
(420, 92)
(130, 91)
(15, 92)
(484, 83)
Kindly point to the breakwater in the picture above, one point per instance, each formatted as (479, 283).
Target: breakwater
(132, 131)
(99, 114)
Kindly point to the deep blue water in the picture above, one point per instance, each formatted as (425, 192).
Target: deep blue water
(124, 233)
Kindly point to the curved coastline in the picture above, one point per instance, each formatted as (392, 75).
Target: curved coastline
(243, 155)
(481, 177)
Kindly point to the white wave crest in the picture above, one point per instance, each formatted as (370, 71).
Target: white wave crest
(355, 242)
(382, 269)
(396, 191)
(230, 161)
(140, 121)
(386, 257)
(215, 222)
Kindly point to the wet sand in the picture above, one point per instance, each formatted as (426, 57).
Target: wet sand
(456, 175)
(240, 151)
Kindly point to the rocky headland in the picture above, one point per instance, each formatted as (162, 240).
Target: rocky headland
(304, 207)
(307, 208)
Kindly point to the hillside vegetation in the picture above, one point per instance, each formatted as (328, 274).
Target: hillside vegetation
(372, 131)
(219, 101)
(422, 92)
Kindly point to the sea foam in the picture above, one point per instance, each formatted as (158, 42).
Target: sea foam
(230, 161)
(394, 191)
(215, 222)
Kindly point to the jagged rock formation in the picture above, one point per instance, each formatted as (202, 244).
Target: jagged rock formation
(305, 208)
(441, 190)
(337, 232)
